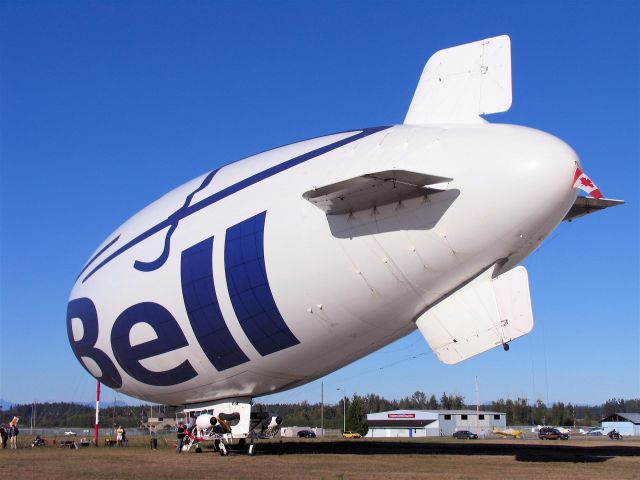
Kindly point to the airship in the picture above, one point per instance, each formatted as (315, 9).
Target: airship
(275, 270)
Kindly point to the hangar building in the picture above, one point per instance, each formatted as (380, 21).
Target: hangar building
(433, 423)
(625, 423)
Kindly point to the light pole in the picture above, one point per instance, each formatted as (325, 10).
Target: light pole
(344, 409)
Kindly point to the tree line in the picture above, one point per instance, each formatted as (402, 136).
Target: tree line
(66, 414)
(519, 411)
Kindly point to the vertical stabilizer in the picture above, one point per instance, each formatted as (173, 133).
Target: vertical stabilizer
(461, 83)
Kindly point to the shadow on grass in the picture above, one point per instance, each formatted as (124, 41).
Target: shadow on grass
(562, 457)
(522, 452)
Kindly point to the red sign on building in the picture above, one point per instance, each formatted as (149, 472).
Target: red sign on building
(401, 415)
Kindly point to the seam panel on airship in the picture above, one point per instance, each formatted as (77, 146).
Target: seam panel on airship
(224, 193)
(203, 310)
(249, 289)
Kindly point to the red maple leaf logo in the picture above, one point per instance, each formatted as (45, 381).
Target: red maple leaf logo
(587, 183)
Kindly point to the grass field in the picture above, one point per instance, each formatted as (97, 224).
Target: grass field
(333, 459)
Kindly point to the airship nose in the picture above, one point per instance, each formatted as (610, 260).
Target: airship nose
(550, 164)
(539, 187)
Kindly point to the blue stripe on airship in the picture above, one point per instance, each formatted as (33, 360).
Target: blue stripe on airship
(249, 289)
(201, 303)
(230, 190)
(102, 250)
(175, 217)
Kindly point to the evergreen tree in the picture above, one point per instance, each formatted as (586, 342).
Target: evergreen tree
(587, 419)
(522, 412)
(539, 413)
(504, 406)
(457, 402)
(570, 416)
(619, 405)
(419, 400)
(558, 414)
(445, 402)
(356, 421)
(508, 409)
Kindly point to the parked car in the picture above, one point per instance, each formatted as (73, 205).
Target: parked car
(351, 435)
(465, 435)
(306, 434)
(548, 433)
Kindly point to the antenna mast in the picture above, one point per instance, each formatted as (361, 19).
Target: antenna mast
(95, 431)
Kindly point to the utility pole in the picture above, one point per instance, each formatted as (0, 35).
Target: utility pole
(95, 432)
(477, 407)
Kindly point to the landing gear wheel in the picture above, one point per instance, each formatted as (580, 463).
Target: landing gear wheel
(216, 446)
(252, 449)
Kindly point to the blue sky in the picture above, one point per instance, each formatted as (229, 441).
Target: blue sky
(107, 105)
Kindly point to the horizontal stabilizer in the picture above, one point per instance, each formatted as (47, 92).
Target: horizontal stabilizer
(372, 190)
(586, 205)
(460, 83)
(484, 313)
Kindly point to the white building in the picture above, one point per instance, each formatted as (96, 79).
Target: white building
(433, 423)
(625, 423)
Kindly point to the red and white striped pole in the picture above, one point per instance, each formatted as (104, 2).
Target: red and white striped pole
(95, 433)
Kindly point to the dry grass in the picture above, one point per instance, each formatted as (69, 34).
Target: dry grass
(316, 459)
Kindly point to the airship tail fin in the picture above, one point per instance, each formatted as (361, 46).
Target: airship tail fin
(485, 313)
(461, 83)
(585, 205)
(373, 190)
